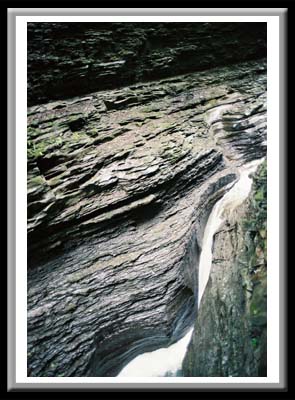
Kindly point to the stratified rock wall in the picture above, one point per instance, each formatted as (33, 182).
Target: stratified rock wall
(229, 338)
(70, 59)
(120, 185)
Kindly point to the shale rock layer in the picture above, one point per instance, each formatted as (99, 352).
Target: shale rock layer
(120, 185)
(71, 59)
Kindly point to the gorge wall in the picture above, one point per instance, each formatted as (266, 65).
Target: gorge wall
(230, 335)
(121, 181)
(68, 59)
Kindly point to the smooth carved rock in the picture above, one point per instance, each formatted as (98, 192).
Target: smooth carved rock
(117, 203)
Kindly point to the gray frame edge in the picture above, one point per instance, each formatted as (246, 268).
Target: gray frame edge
(282, 199)
(11, 245)
(147, 11)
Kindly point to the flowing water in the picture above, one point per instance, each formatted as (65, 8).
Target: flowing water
(230, 201)
(168, 360)
(159, 362)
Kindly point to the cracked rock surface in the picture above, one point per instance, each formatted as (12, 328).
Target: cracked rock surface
(120, 185)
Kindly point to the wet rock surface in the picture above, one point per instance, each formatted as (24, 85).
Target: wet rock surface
(230, 337)
(118, 197)
(121, 181)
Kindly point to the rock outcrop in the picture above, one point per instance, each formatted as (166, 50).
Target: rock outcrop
(229, 336)
(120, 185)
(71, 59)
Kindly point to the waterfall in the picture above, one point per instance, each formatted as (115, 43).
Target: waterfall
(159, 362)
(168, 360)
(230, 201)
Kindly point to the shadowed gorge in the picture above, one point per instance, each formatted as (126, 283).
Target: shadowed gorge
(125, 163)
(70, 59)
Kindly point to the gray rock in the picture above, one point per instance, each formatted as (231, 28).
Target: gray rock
(229, 337)
(71, 59)
(116, 214)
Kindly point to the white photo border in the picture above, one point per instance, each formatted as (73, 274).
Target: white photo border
(17, 357)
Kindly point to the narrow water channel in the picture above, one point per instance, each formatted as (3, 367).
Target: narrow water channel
(230, 201)
(167, 361)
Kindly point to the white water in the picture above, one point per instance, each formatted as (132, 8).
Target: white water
(230, 201)
(161, 361)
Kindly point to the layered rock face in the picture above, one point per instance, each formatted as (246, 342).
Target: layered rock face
(120, 185)
(229, 337)
(68, 59)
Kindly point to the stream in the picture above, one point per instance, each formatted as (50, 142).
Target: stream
(167, 361)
